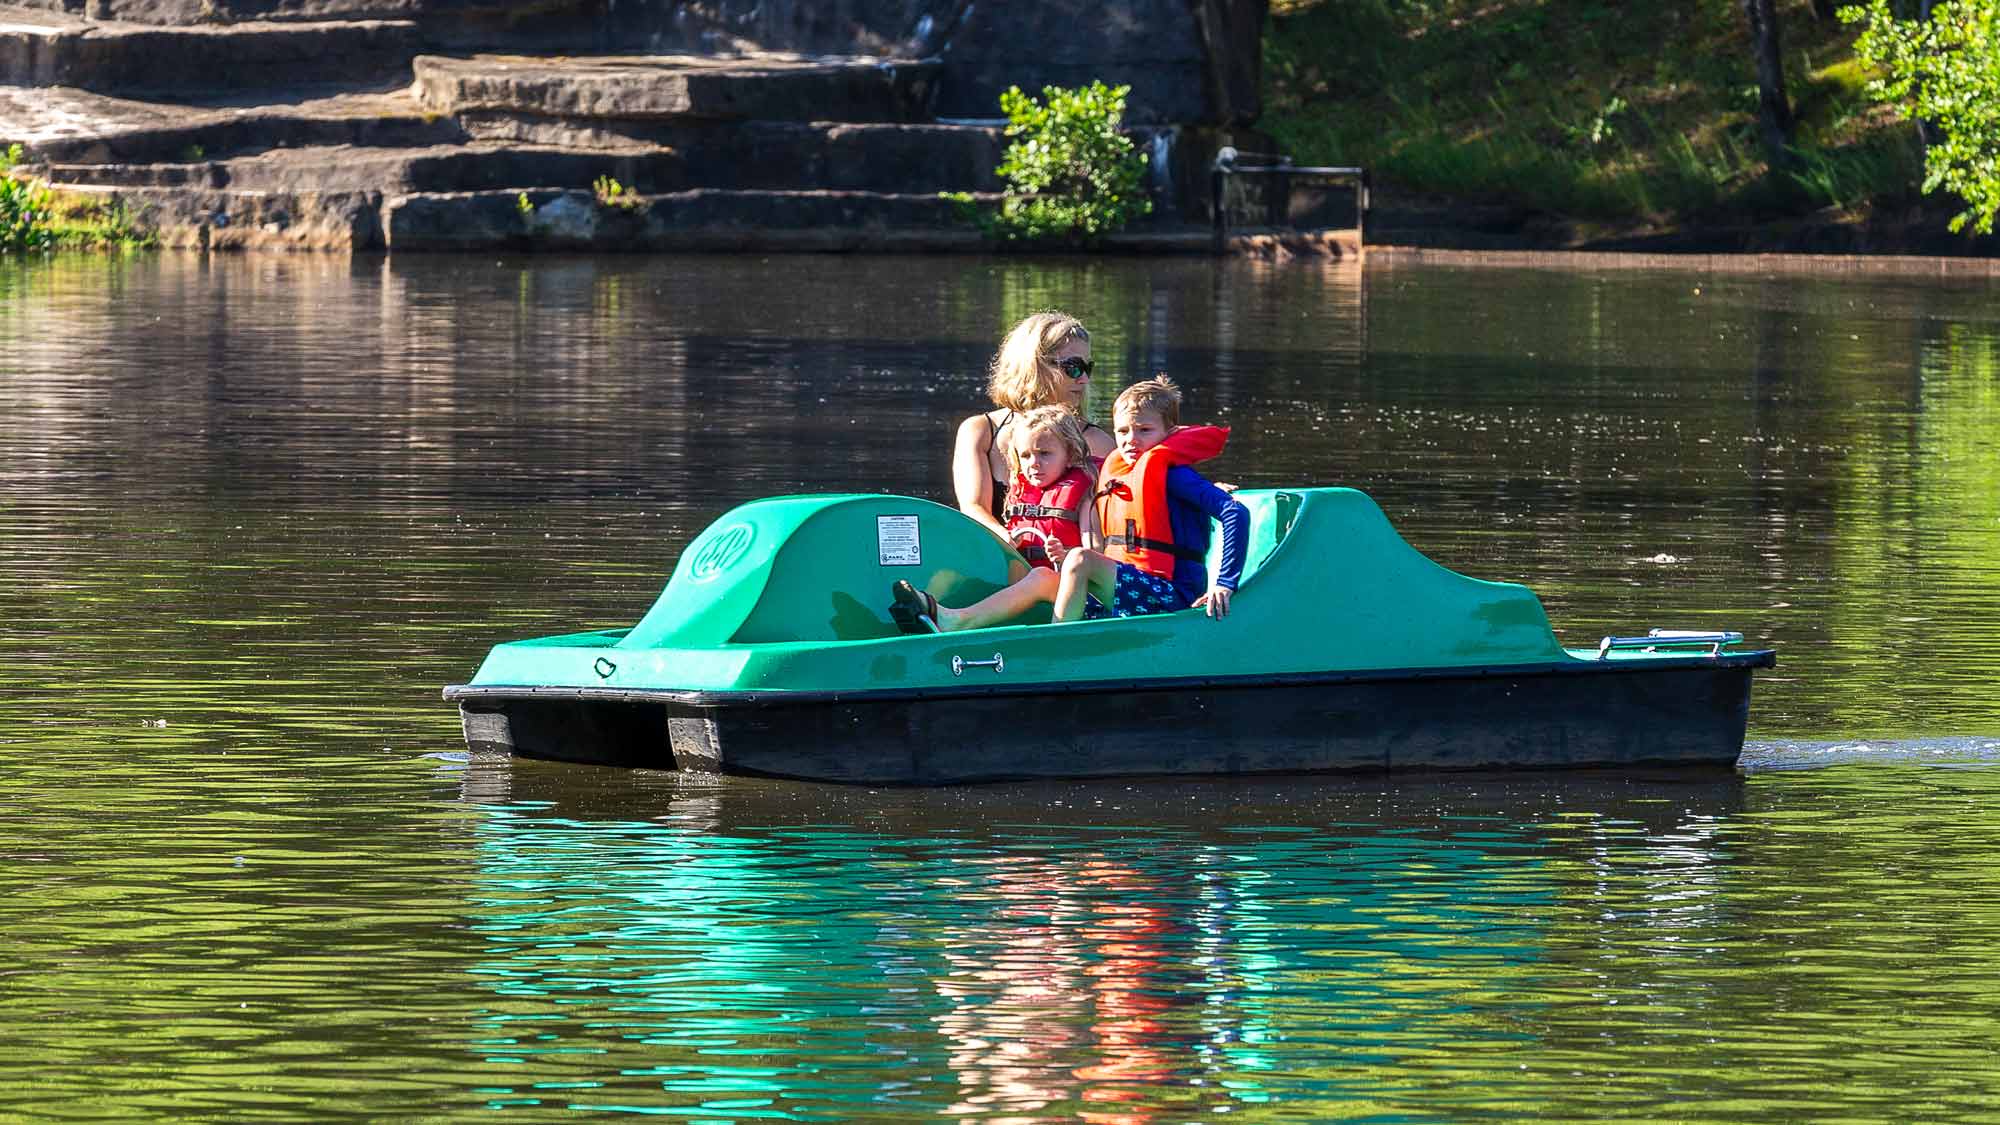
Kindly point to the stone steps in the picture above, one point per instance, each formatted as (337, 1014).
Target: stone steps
(895, 159)
(217, 137)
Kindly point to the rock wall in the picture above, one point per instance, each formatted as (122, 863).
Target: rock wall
(889, 28)
(1187, 61)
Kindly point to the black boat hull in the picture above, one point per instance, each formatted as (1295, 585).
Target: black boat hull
(1581, 715)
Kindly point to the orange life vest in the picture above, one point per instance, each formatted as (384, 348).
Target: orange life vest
(1036, 516)
(1132, 500)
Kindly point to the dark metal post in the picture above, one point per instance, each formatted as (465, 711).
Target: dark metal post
(1218, 194)
(1361, 187)
(1218, 217)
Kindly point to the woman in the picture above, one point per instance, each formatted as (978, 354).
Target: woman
(1045, 361)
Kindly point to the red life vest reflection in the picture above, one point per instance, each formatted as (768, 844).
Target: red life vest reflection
(1057, 1000)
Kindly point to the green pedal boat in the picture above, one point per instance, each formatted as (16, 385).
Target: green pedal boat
(772, 651)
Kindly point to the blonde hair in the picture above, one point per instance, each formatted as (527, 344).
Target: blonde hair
(1157, 395)
(1024, 374)
(1066, 427)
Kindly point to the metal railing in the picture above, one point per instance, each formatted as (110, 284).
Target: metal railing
(1656, 639)
(1284, 175)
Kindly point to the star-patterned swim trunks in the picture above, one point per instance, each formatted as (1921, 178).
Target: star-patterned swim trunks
(1136, 594)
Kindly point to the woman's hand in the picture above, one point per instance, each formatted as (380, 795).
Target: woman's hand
(1056, 551)
(1216, 601)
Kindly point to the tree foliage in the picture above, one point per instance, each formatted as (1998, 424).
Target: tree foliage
(1944, 71)
(1070, 172)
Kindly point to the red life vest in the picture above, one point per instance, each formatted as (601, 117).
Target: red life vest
(1132, 501)
(1037, 516)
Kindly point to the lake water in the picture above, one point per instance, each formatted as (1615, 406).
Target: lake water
(255, 512)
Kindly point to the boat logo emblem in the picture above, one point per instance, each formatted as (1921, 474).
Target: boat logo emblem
(721, 552)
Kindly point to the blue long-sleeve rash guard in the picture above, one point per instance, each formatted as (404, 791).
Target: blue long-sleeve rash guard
(1191, 503)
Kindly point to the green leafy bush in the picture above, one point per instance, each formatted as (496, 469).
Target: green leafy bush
(1946, 71)
(1070, 172)
(24, 209)
(34, 216)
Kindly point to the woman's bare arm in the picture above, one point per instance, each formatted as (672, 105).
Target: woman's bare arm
(972, 472)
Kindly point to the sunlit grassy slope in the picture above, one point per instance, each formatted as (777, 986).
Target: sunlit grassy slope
(1624, 116)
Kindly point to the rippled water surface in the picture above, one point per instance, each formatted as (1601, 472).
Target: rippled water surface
(255, 512)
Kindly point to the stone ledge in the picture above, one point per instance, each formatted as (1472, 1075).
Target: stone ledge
(678, 87)
(199, 219)
(703, 219)
(188, 13)
(908, 160)
(136, 58)
(195, 217)
(69, 126)
(859, 156)
(433, 168)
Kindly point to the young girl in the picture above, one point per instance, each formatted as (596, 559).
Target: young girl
(1049, 512)
(1048, 507)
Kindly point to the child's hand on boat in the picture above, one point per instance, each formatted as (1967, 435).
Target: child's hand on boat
(1216, 601)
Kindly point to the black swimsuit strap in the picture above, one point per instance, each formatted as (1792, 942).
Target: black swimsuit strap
(999, 503)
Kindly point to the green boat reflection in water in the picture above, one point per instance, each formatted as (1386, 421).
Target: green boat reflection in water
(772, 651)
(711, 963)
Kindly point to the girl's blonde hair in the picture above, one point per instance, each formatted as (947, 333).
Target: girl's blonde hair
(1157, 395)
(1024, 374)
(1058, 421)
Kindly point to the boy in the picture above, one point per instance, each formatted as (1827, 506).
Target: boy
(1154, 513)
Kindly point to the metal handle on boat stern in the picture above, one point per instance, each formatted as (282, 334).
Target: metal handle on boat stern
(1669, 638)
(959, 664)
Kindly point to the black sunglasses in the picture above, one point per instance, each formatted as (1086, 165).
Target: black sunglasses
(1076, 367)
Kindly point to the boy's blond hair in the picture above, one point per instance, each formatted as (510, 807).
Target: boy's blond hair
(1060, 422)
(1024, 374)
(1157, 395)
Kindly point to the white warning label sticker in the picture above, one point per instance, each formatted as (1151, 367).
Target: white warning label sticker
(896, 540)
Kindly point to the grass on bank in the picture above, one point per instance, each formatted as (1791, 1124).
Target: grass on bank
(1627, 114)
(35, 217)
